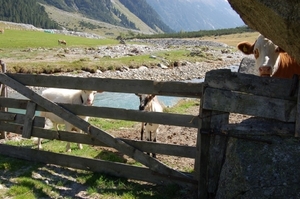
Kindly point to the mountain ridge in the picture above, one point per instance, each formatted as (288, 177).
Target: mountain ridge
(143, 16)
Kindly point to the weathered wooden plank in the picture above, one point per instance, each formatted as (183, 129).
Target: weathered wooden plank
(113, 85)
(257, 128)
(234, 102)
(162, 148)
(19, 119)
(95, 165)
(217, 151)
(14, 103)
(202, 157)
(134, 115)
(7, 116)
(297, 126)
(115, 113)
(266, 86)
(151, 147)
(28, 120)
(3, 91)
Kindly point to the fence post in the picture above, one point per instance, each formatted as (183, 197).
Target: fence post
(28, 121)
(202, 154)
(297, 125)
(3, 93)
(202, 150)
(217, 151)
(210, 149)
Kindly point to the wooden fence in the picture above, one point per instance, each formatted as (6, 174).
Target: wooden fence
(223, 92)
(30, 125)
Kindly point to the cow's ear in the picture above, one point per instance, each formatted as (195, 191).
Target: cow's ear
(152, 96)
(279, 50)
(246, 47)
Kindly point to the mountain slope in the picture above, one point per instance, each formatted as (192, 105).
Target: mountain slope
(106, 11)
(147, 14)
(194, 15)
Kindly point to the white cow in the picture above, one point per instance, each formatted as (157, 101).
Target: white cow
(149, 103)
(67, 96)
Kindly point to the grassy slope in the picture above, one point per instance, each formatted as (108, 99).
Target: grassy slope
(139, 23)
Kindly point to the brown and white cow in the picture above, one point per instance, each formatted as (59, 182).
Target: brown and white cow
(270, 60)
(62, 42)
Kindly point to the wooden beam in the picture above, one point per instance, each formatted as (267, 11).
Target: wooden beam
(217, 151)
(267, 86)
(5, 116)
(185, 89)
(297, 126)
(151, 147)
(237, 102)
(114, 113)
(29, 117)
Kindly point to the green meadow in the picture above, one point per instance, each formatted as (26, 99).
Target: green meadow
(21, 39)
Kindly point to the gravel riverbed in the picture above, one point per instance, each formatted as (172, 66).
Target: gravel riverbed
(224, 57)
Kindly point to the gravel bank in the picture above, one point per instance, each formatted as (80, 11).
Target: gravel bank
(185, 70)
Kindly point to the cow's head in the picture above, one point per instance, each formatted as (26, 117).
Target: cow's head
(145, 99)
(265, 52)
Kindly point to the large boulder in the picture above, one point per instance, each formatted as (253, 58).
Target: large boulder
(278, 20)
(262, 164)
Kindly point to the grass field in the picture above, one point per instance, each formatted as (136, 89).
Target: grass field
(233, 39)
(20, 39)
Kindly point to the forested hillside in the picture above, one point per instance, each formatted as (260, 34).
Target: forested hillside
(102, 10)
(147, 14)
(26, 11)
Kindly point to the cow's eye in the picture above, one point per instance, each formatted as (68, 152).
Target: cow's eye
(256, 53)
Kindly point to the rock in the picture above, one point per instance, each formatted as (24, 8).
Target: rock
(261, 169)
(98, 71)
(177, 63)
(247, 66)
(162, 66)
(277, 20)
(142, 68)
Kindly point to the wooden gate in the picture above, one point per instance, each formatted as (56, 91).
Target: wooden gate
(30, 125)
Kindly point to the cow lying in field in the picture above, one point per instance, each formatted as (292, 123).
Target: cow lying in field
(149, 103)
(68, 96)
(62, 42)
(2, 31)
(270, 60)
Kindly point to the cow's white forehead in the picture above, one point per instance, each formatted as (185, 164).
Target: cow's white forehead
(262, 43)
